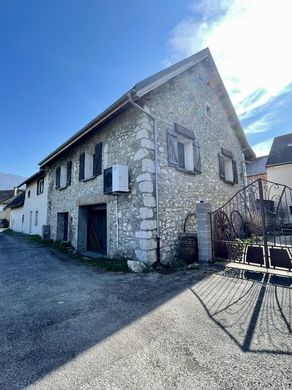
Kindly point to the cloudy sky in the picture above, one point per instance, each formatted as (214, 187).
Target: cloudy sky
(250, 42)
(63, 62)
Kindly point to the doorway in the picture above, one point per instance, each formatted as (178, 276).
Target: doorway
(62, 226)
(97, 229)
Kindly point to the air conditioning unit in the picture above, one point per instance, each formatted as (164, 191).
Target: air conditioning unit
(116, 179)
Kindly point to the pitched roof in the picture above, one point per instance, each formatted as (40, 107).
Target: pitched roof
(17, 201)
(34, 177)
(145, 86)
(281, 151)
(257, 166)
(5, 195)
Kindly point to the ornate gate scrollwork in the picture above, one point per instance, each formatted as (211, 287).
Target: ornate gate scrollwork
(255, 226)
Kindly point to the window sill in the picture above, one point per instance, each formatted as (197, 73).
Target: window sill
(229, 182)
(88, 178)
(61, 188)
(188, 171)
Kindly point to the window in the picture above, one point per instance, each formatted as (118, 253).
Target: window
(40, 186)
(90, 165)
(64, 175)
(22, 219)
(28, 194)
(208, 110)
(290, 208)
(227, 166)
(183, 150)
(36, 218)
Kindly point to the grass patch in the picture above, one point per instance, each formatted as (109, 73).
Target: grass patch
(109, 265)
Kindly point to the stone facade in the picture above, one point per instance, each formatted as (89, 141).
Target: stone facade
(183, 100)
(128, 139)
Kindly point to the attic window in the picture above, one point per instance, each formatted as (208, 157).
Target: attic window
(208, 109)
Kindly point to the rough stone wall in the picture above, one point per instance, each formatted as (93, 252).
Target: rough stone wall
(182, 100)
(130, 227)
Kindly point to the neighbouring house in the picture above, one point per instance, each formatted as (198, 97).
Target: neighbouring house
(15, 208)
(5, 197)
(256, 169)
(124, 184)
(279, 162)
(29, 210)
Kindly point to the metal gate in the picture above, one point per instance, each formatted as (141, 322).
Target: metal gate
(255, 226)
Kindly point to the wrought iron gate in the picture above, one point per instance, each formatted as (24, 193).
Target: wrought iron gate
(255, 226)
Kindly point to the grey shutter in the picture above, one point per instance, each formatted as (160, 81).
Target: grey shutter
(69, 174)
(58, 177)
(197, 157)
(172, 149)
(97, 160)
(235, 174)
(221, 166)
(81, 166)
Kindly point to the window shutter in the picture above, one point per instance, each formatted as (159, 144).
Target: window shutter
(235, 174)
(197, 157)
(81, 166)
(58, 177)
(97, 160)
(69, 174)
(221, 166)
(172, 149)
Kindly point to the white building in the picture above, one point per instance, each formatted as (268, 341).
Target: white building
(29, 214)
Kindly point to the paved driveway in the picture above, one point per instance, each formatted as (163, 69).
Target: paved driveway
(68, 326)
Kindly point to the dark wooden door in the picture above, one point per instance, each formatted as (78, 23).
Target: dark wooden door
(97, 230)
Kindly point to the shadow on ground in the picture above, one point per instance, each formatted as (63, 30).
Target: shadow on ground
(252, 308)
(52, 310)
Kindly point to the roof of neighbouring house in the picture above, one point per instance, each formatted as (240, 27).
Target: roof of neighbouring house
(34, 177)
(281, 151)
(17, 201)
(257, 166)
(147, 85)
(5, 195)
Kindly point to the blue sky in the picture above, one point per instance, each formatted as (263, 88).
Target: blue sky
(63, 62)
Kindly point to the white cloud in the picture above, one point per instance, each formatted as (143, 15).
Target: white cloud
(263, 148)
(261, 125)
(249, 40)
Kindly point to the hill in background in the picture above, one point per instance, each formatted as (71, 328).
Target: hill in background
(9, 181)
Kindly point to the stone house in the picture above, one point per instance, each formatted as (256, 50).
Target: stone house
(124, 184)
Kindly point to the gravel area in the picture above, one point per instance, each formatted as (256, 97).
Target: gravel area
(64, 325)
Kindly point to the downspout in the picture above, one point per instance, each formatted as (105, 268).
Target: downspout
(156, 174)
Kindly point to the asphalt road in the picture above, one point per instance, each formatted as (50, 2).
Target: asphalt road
(64, 325)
